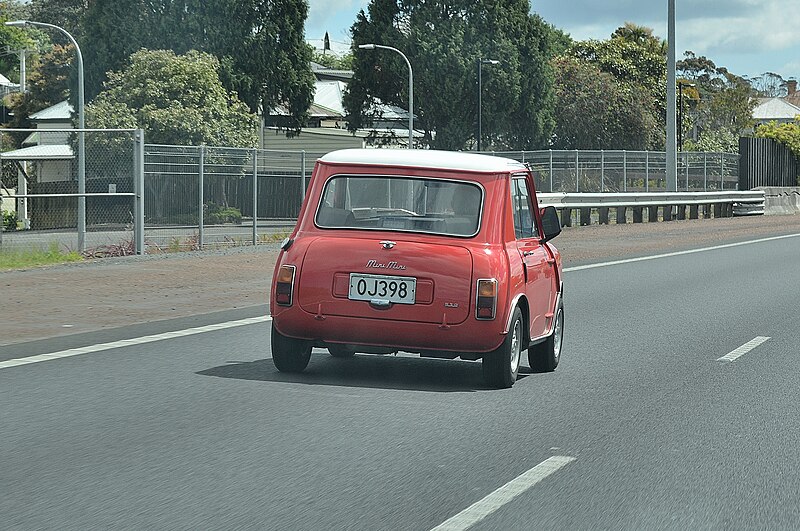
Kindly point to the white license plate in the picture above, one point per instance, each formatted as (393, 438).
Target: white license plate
(400, 290)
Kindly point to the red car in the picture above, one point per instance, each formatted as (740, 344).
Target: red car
(437, 253)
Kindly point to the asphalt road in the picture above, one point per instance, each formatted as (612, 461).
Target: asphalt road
(201, 432)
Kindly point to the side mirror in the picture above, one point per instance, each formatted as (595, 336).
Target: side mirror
(551, 226)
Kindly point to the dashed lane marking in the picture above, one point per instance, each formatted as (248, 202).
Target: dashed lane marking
(744, 349)
(483, 508)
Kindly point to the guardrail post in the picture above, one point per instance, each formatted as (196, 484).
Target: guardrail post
(667, 213)
(652, 213)
(201, 198)
(693, 211)
(566, 217)
(138, 201)
(717, 210)
(255, 196)
(586, 216)
(637, 214)
(603, 213)
(681, 212)
(622, 217)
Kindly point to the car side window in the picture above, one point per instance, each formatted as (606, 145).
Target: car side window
(524, 224)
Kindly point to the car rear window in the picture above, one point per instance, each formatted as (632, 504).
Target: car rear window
(435, 206)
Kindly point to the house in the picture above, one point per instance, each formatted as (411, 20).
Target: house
(45, 155)
(327, 127)
(774, 110)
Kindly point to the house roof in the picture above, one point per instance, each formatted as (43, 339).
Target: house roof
(41, 152)
(775, 109)
(60, 112)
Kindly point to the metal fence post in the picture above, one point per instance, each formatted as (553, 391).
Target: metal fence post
(705, 171)
(577, 175)
(138, 202)
(255, 196)
(551, 170)
(686, 168)
(303, 174)
(722, 172)
(201, 198)
(646, 171)
(624, 170)
(602, 171)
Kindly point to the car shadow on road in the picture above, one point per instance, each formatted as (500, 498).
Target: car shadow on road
(368, 371)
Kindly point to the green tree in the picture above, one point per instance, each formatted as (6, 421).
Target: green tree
(67, 14)
(443, 41)
(176, 99)
(636, 58)
(720, 105)
(260, 44)
(331, 60)
(595, 111)
(786, 133)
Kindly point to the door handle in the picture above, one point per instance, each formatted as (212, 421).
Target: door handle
(528, 253)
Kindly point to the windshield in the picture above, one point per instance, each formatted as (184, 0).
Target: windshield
(433, 206)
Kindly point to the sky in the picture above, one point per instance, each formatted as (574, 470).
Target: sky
(748, 37)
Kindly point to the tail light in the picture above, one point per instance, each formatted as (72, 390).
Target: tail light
(284, 285)
(487, 299)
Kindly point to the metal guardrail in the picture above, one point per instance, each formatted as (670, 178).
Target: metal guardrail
(672, 205)
(635, 199)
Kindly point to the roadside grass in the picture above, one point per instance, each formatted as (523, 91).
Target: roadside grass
(32, 258)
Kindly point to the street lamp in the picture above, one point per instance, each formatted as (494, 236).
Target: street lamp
(482, 62)
(681, 84)
(81, 144)
(410, 88)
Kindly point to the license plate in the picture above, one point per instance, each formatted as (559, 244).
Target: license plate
(399, 290)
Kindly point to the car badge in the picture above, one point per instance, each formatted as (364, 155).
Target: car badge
(387, 244)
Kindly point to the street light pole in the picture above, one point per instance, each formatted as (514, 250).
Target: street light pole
(482, 62)
(410, 87)
(81, 127)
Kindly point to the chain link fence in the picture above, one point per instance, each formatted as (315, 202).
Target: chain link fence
(628, 171)
(195, 197)
(40, 182)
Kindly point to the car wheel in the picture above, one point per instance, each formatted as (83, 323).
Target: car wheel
(340, 351)
(545, 356)
(500, 367)
(289, 354)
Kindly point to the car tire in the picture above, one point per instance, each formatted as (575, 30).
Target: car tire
(545, 356)
(289, 354)
(340, 351)
(501, 366)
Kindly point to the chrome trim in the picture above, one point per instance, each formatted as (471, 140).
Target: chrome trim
(494, 306)
(416, 177)
(514, 303)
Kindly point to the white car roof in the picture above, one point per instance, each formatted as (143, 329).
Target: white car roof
(424, 158)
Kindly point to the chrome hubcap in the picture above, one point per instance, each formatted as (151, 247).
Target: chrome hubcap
(557, 335)
(515, 342)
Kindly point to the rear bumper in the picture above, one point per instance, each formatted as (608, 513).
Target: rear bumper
(469, 336)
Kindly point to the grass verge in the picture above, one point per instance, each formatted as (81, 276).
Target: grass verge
(23, 259)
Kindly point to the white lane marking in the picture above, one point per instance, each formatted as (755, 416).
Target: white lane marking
(128, 342)
(744, 349)
(679, 253)
(483, 508)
